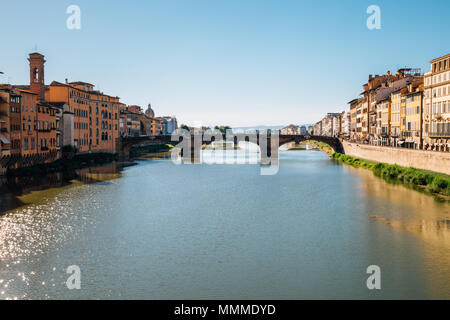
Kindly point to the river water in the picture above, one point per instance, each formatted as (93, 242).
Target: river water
(158, 230)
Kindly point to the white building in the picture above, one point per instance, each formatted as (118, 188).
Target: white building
(436, 116)
(303, 131)
(169, 125)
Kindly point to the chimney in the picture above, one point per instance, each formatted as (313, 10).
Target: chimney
(37, 84)
(67, 81)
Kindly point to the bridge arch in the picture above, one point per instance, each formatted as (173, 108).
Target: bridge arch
(265, 140)
(333, 142)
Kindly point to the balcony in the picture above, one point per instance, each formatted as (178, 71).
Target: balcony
(440, 134)
(406, 134)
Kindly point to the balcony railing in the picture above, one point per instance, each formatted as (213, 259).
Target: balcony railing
(441, 134)
(410, 134)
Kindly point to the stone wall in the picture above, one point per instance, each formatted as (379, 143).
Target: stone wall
(428, 160)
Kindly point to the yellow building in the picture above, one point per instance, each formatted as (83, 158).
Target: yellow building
(414, 109)
(361, 119)
(384, 110)
(353, 105)
(403, 114)
(396, 98)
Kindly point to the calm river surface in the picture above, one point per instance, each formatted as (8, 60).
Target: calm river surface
(163, 231)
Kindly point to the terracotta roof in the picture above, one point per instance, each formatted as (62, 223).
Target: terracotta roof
(27, 91)
(81, 82)
(25, 87)
(59, 84)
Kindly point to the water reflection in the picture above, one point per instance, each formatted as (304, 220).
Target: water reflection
(415, 212)
(38, 218)
(418, 214)
(162, 231)
(19, 191)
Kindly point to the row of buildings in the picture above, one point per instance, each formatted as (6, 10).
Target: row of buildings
(405, 109)
(294, 129)
(37, 120)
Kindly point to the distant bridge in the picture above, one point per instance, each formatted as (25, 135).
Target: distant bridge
(265, 141)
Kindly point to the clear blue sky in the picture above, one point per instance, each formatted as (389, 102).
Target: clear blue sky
(234, 62)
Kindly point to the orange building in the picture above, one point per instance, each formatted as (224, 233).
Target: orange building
(96, 115)
(14, 122)
(38, 118)
(156, 127)
(92, 118)
(29, 122)
(5, 142)
(10, 113)
(46, 128)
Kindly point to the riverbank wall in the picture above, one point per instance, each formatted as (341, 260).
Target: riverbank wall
(426, 160)
(78, 161)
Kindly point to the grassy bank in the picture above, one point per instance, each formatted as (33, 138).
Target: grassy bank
(65, 164)
(320, 145)
(433, 182)
(150, 150)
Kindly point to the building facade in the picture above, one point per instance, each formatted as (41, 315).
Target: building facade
(413, 120)
(95, 115)
(436, 131)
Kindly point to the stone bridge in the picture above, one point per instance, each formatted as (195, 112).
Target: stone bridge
(268, 143)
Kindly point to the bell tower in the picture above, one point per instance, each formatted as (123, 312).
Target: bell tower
(37, 84)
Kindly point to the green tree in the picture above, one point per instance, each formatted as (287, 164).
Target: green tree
(184, 127)
(222, 129)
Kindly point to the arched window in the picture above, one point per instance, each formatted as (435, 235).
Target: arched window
(35, 74)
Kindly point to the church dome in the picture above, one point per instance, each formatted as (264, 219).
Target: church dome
(149, 112)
